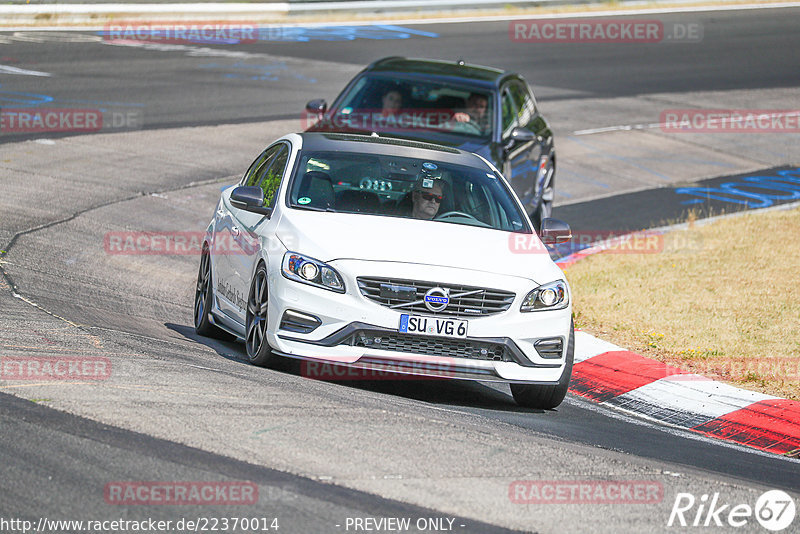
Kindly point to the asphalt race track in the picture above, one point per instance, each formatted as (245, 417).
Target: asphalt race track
(177, 407)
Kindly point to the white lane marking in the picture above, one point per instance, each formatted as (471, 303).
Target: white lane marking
(168, 9)
(53, 37)
(8, 69)
(190, 50)
(620, 128)
(711, 123)
(587, 346)
(687, 399)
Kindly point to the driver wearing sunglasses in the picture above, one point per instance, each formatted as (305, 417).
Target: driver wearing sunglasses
(426, 198)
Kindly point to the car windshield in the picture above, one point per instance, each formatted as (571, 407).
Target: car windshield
(394, 186)
(382, 104)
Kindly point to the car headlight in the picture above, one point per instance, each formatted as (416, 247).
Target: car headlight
(552, 296)
(312, 272)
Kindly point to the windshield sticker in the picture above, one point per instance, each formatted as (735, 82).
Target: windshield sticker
(427, 183)
(303, 200)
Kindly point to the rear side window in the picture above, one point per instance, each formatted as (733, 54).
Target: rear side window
(526, 107)
(510, 112)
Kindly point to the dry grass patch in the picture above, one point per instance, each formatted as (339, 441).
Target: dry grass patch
(722, 300)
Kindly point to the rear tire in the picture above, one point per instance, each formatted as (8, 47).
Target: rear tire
(547, 397)
(202, 302)
(258, 350)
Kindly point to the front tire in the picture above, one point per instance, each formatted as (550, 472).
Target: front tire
(258, 350)
(203, 299)
(547, 397)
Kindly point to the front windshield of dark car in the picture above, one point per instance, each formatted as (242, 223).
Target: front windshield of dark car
(379, 104)
(391, 186)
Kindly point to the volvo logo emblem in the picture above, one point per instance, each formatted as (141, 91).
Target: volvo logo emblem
(437, 299)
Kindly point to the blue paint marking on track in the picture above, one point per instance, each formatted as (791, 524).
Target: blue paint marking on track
(662, 206)
(271, 72)
(303, 34)
(29, 99)
(39, 99)
(284, 34)
(759, 191)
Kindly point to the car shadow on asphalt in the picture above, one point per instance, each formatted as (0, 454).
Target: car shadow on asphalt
(438, 391)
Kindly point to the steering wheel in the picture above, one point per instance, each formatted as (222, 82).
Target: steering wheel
(454, 214)
(467, 127)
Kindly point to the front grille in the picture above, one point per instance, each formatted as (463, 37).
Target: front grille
(485, 302)
(430, 346)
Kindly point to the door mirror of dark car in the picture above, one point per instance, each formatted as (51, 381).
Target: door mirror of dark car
(554, 231)
(519, 136)
(250, 198)
(317, 106)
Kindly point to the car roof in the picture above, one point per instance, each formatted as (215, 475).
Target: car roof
(383, 145)
(440, 70)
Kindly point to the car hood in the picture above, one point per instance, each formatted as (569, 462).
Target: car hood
(336, 236)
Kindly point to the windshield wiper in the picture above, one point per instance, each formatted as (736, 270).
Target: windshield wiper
(314, 208)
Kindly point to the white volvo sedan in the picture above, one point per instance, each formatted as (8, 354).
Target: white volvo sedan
(383, 254)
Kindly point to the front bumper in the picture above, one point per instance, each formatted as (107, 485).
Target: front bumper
(360, 333)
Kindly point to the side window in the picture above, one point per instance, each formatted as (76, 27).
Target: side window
(271, 178)
(509, 110)
(254, 172)
(526, 105)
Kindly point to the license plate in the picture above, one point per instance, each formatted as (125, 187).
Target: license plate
(432, 326)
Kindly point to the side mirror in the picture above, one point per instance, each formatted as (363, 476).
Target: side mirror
(317, 106)
(518, 136)
(554, 231)
(250, 198)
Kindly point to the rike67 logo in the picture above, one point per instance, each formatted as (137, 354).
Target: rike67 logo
(775, 510)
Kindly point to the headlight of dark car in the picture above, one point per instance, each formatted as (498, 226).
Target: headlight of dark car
(313, 272)
(552, 296)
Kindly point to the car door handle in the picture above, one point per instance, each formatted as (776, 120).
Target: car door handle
(235, 230)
